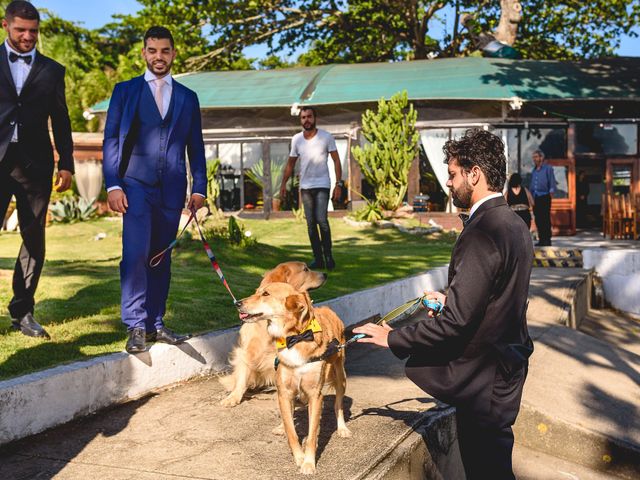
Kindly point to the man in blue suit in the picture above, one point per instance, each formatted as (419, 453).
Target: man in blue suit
(152, 120)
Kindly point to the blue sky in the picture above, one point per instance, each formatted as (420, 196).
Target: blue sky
(94, 14)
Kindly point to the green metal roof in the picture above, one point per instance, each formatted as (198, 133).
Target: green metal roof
(469, 78)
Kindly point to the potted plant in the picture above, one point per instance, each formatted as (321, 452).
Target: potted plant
(256, 175)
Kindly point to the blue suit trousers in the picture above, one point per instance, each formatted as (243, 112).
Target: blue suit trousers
(148, 228)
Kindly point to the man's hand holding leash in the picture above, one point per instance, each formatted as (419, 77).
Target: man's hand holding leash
(378, 334)
(441, 298)
(196, 202)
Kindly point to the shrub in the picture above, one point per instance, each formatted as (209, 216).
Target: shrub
(233, 233)
(72, 209)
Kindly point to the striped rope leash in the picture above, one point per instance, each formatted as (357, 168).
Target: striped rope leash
(214, 262)
(156, 259)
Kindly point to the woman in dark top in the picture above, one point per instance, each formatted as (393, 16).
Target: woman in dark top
(519, 198)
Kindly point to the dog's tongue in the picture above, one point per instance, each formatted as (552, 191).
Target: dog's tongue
(243, 315)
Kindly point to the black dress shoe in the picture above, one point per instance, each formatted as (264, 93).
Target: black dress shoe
(317, 263)
(136, 342)
(165, 335)
(28, 326)
(330, 262)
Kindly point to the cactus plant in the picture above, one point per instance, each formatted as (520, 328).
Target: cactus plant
(392, 146)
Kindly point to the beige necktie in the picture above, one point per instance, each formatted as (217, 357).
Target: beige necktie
(158, 95)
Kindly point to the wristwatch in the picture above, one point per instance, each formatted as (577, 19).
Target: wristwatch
(340, 183)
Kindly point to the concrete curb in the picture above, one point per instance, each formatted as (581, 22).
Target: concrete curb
(36, 402)
(577, 444)
(620, 273)
(428, 451)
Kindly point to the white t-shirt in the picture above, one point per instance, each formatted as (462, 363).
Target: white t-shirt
(312, 154)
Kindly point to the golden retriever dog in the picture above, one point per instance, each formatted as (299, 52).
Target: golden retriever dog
(252, 359)
(307, 359)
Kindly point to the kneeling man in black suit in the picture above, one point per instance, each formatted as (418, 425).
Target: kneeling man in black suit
(474, 355)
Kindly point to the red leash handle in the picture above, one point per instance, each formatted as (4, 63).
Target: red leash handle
(157, 258)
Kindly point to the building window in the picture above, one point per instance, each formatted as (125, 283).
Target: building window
(561, 174)
(607, 138)
(251, 161)
(551, 141)
(230, 174)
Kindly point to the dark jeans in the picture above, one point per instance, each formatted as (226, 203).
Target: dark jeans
(542, 212)
(315, 202)
(32, 199)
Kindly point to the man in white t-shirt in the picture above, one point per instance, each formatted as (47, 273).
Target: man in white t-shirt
(312, 146)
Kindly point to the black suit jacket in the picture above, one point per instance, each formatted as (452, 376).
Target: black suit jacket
(475, 352)
(42, 97)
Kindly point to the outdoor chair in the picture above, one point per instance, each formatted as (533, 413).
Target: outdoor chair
(620, 217)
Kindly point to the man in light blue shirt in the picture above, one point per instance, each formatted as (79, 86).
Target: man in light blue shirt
(542, 187)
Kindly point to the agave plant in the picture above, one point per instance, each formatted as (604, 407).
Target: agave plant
(72, 209)
(256, 175)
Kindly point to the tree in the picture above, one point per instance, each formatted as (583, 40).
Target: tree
(392, 145)
(386, 30)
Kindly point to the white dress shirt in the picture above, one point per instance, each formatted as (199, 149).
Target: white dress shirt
(167, 88)
(19, 71)
(481, 201)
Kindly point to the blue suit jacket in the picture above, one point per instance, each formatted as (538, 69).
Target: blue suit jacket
(185, 133)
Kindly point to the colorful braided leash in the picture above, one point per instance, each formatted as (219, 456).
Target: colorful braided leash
(156, 259)
(214, 262)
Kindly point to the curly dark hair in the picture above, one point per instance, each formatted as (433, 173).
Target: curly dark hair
(483, 149)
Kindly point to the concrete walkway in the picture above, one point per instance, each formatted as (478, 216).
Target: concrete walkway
(580, 404)
(581, 399)
(593, 239)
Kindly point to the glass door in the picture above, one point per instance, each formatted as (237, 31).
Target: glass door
(563, 204)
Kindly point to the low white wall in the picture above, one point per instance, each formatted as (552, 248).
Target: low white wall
(620, 273)
(35, 402)
(357, 306)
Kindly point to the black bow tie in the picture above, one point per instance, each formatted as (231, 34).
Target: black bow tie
(13, 57)
(465, 219)
(306, 336)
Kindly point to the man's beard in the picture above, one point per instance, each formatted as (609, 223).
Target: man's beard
(20, 47)
(462, 196)
(308, 129)
(167, 68)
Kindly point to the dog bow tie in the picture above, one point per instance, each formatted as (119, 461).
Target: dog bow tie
(14, 57)
(465, 219)
(306, 336)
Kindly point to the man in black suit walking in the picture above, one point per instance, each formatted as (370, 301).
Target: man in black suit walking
(31, 93)
(474, 355)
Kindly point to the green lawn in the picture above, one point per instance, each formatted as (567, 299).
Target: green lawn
(78, 296)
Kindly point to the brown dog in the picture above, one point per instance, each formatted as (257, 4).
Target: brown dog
(252, 359)
(305, 363)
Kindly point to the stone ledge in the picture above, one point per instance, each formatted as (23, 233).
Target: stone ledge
(38, 401)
